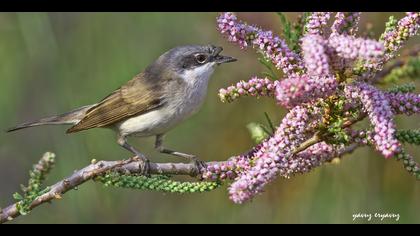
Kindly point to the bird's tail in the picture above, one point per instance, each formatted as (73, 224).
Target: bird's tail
(69, 118)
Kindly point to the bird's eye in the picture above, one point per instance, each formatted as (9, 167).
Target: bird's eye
(201, 58)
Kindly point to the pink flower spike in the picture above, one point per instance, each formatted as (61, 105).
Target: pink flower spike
(315, 56)
(270, 159)
(255, 87)
(297, 90)
(350, 47)
(345, 23)
(379, 110)
(407, 27)
(317, 22)
(404, 103)
(272, 46)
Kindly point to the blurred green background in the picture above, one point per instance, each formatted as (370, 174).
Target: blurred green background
(53, 62)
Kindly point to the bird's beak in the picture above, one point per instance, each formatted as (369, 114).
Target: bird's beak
(220, 59)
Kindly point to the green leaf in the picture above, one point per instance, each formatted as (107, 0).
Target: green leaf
(270, 123)
(268, 75)
(299, 31)
(17, 196)
(287, 27)
(161, 183)
(303, 21)
(269, 67)
(257, 131)
(293, 32)
(404, 88)
(410, 70)
(408, 136)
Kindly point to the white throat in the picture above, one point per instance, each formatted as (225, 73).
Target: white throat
(195, 91)
(199, 74)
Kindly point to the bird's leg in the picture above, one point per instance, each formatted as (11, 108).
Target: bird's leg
(199, 164)
(145, 163)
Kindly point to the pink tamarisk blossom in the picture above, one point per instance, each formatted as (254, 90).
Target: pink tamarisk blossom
(231, 168)
(320, 56)
(315, 56)
(272, 46)
(406, 27)
(376, 105)
(404, 103)
(393, 39)
(317, 22)
(345, 23)
(255, 87)
(326, 88)
(297, 90)
(293, 130)
(350, 47)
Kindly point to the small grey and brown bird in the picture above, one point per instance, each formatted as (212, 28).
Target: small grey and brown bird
(166, 93)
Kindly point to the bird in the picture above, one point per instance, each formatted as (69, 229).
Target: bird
(163, 95)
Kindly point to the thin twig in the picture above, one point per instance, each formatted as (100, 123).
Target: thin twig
(311, 141)
(350, 122)
(397, 63)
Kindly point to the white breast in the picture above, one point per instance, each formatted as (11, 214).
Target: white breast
(185, 102)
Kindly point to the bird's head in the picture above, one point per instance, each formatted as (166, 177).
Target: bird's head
(191, 62)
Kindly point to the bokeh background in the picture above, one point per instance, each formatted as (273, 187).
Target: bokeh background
(53, 62)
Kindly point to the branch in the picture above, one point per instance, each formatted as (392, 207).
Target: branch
(311, 141)
(55, 192)
(129, 166)
(96, 169)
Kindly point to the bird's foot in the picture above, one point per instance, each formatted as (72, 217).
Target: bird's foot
(199, 165)
(144, 165)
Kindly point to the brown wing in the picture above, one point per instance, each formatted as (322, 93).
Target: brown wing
(137, 96)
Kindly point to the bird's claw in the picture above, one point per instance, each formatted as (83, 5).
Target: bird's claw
(199, 165)
(144, 165)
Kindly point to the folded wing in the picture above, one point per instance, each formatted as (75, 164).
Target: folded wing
(136, 97)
